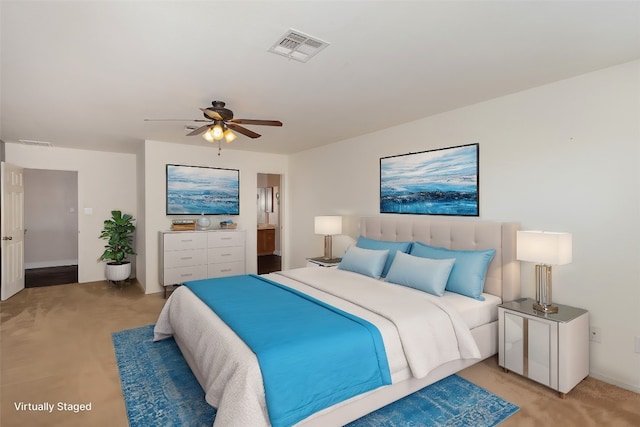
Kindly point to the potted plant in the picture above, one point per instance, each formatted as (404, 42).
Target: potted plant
(118, 232)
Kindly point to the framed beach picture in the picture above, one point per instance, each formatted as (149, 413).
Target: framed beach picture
(200, 190)
(435, 182)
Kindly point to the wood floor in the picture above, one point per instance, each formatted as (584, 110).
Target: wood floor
(48, 276)
(269, 264)
(57, 347)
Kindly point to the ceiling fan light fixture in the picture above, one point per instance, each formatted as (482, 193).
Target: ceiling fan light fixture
(229, 136)
(217, 132)
(208, 135)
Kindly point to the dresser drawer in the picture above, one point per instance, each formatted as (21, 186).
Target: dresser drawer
(226, 269)
(228, 254)
(184, 258)
(220, 239)
(173, 276)
(186, 240)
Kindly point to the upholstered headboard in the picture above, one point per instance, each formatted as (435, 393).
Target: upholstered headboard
(503, 275)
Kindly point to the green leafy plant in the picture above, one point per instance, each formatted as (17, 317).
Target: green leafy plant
(118, 231)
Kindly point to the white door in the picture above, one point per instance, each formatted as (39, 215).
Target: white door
(12, 230)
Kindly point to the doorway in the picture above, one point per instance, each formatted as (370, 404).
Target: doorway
(51, 227)
(268, 200)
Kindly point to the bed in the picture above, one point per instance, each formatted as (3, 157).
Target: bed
(229, 372)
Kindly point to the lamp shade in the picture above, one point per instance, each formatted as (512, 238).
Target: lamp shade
(544, 247)
(328, 225)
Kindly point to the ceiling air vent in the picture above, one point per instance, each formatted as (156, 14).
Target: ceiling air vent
(298, 45)
(33, 142)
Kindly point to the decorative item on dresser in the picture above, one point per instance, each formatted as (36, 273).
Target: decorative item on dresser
(203, 222)
(546, 249)
(194, 255)
(549, 348)
(183, 225)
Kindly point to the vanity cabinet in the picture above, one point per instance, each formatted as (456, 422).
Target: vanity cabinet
(266, 241)
(194, 255)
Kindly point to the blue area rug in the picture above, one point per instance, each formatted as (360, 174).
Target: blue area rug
(160, 390)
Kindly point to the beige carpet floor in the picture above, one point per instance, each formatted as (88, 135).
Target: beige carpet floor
(55, 346)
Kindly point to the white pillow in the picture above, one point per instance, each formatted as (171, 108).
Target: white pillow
(425, 274)
(369, 262)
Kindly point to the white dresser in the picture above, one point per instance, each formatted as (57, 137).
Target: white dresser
(193, 255)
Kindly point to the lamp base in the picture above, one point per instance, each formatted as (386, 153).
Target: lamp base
(327, 247)
(545, 308)
(543, 290)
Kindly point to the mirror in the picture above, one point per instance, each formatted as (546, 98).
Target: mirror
(265, 199)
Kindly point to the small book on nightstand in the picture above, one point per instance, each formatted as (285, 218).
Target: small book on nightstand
(325, 262)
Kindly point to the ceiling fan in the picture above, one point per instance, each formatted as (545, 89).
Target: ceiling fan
(220, 124)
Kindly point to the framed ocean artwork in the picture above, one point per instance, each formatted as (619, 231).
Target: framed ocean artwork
(436, 182)
(200, 190)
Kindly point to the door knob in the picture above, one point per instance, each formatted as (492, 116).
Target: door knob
(7, 238)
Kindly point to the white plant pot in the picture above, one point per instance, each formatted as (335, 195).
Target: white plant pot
(118, 272)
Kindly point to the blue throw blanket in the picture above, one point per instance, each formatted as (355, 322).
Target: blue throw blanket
(311, 355)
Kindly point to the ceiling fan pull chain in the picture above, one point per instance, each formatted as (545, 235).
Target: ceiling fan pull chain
(219, 147)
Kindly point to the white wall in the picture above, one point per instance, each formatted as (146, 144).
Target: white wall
(562, 157)
(106, 181)
(158, 154)
(50, 218)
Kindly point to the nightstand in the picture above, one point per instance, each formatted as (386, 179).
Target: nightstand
(323, 262)
(552, 349)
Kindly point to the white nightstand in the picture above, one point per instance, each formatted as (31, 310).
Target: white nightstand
(323, 262)
(552, 349)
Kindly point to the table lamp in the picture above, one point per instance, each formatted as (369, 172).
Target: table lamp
(545, 249)
(328, 226)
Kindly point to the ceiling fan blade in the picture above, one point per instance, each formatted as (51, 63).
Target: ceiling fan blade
(176, 120)
(211, 113)
(243, 131)
(257, 122)
(199, 130)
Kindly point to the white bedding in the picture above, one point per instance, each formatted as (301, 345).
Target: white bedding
(230, 371)
(474, 313)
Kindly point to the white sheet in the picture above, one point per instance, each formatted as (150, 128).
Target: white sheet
(232, 379)
(474, 313)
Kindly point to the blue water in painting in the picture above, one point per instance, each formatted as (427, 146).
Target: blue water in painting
(442, 182)
(194, 191)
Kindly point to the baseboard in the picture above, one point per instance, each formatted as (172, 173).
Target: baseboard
(45, 264)
(606, 379)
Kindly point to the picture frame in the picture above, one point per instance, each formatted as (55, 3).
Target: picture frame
(443, 181)
(202, 190)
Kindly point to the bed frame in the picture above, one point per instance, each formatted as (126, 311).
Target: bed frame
(503, 280)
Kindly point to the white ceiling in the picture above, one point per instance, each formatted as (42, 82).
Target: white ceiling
(85, 74)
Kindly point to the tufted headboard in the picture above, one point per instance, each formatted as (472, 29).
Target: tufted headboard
(503, 275)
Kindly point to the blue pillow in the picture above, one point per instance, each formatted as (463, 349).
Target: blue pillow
(364, 261)
(468, 272)
(379, 245)
(425, 274)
